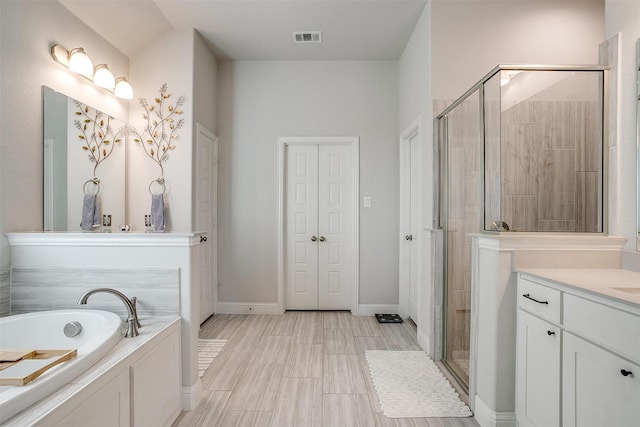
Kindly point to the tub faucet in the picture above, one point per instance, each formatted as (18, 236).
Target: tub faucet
(132, 321)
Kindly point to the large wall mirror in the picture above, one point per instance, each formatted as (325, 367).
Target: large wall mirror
(80, 144)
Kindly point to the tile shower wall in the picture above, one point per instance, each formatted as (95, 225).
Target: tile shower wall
(5, 286)
(37, 289)
(464, 215)
(551, 166)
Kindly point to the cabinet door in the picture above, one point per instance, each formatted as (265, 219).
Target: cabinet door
(102, 404)
(155, 385)
(538, 372)
(599, 388)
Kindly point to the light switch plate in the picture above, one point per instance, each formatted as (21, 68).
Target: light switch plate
(367, 202)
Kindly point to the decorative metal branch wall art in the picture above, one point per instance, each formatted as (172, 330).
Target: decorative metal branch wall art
(158, 135)
(96, 134)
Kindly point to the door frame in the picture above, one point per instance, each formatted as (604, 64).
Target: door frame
(354, 143)
(414, 130)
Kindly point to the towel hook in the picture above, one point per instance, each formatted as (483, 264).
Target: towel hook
(160, 182)
(95, 181)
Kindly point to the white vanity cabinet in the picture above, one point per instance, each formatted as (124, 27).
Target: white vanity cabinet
(538, 372)
(577, 357)
(595, 391)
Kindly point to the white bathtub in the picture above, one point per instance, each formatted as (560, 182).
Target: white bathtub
(101, 330)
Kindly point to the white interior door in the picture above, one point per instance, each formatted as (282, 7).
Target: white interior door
(206, 217)
(319, 227)
(302, 227)
(335, 225)
(410, 221)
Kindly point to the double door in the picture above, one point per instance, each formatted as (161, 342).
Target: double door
(319, 227)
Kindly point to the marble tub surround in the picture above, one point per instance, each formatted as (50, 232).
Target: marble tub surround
(37, 289)
(123, 353)
(117, 252)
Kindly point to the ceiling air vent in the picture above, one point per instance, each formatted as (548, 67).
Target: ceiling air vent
(307, 36)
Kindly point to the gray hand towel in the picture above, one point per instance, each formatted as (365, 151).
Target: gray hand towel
(157, 212)
(90, 214)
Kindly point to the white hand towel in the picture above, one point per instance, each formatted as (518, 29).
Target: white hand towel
(90, 212)
(157, 212)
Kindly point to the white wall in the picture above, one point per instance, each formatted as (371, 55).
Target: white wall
(262, 100)
(623, 16)
(472, 37)
(182, 60)
(168, 59)
(26, 30)
(205, 78)
(414, 71)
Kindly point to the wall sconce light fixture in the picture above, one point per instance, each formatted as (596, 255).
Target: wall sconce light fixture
(103, 77)
(123, 89)
(79, 62)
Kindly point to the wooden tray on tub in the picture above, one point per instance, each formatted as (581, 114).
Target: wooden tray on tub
(20, 367)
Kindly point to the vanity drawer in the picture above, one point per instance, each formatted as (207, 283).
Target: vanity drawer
(614, 329)
(539, 300)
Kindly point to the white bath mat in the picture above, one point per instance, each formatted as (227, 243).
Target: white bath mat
(207, 351)
(409, 384)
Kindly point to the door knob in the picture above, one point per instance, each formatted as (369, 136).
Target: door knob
(322, 239)
(314, 238)
(408, 237)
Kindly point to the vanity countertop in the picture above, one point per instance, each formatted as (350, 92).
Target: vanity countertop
(618, 284)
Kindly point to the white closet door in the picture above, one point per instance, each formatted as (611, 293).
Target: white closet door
(301, 226)
(335, 226)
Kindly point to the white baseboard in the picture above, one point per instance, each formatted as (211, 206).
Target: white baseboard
(488, 418)
(423, 341)
(191, 396)
(371, 309)
(248, 308)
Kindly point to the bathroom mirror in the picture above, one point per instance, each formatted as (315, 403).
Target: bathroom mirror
(71, 160)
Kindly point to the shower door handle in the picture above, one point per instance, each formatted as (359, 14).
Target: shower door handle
(408, 237)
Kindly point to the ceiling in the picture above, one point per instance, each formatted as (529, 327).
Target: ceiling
(260, 29)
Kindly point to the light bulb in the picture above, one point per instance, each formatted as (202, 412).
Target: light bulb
(80, 63)
(123, 89)
(103, 77)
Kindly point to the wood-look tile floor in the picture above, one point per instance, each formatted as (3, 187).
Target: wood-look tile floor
(299, 369)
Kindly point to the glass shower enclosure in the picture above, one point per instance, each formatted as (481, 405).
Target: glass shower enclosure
(521, 151)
